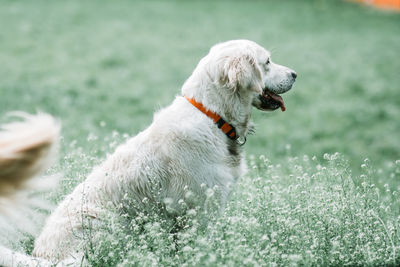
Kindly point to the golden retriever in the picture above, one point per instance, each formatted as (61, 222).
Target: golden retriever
(193, 144)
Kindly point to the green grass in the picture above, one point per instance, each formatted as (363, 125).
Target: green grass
(306, 213)
(106, 66)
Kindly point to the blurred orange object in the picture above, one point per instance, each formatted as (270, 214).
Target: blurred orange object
(387, 4)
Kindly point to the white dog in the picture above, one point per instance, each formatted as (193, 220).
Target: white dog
(192, 142)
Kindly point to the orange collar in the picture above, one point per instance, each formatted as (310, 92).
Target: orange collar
(228, 129)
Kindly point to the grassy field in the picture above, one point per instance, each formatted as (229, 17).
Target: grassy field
(104, 67)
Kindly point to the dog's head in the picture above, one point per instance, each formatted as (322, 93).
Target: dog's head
(246, 69)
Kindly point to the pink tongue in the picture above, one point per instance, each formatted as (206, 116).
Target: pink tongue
(277, 98)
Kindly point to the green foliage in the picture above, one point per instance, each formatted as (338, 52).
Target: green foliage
(306, 212)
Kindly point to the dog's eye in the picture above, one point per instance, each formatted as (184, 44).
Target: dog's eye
(266, 63)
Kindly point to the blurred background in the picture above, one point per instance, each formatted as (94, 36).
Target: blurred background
(107, 66)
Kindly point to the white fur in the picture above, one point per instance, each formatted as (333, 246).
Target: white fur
(181, 150)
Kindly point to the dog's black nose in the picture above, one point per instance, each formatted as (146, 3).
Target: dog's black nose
(294, 74)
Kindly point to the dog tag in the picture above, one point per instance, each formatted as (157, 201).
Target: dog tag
(241, 140)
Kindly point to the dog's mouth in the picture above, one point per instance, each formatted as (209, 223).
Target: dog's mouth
(271, 101)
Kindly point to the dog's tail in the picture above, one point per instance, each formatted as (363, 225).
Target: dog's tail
(27, 147)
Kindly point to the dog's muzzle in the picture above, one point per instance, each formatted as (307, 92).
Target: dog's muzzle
(271, 101)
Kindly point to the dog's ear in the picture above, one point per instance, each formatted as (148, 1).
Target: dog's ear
(242, 72)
